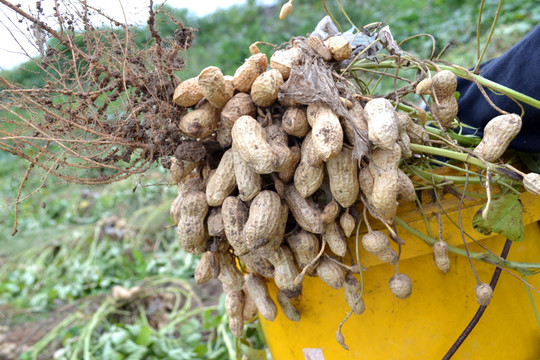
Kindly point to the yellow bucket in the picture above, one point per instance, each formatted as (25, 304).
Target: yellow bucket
(425, 325)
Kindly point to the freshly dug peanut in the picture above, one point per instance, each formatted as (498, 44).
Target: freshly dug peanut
(417, 134)
(304, 211)
(378, 244)
(445, 111)
(246, 74)
(305, 247)
(240, 105)
(235, 214)
(406, 190)
(443, 86)
(249, 139)
(498, 134)
(278, 140)
(365, 181)
(308, 178)
(343, 177)
(317, 45)
(330, 273)
(330, 212)
(214, 87)
(440, 256)
(284, 60)
(175, 209)
(355, 123)
(234, 307)
(531, 182)
(286, 10)
(265, 89)
(201, 122)
(264, 215)
(289, 167)
(256, 287)
(229, 275)
(250, 308)
(404, 143)
(484, 293)
(191, 230)
(176, 170)
(259, 265)
(353, 290)
(289, 310)
(383, 167)
(223, 180)
(326, 133)
(335, 239)
(381, 118)
(188, 93)
(207, 268)
(215, 222)
(248, 181)
(295, 122)
(401, 286)
(223, 136)
(339, 47)
(285, 271)
(348, 223)
(275, 240)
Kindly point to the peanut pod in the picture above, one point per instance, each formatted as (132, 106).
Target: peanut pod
(256, 287)
(249, 139)
(327, 134)
(191, 230)
(303, 210)
(235, 214)
(222, 182)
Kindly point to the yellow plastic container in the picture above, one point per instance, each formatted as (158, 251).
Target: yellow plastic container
(425, 325)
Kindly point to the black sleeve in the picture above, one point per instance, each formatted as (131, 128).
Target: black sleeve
(518, 69)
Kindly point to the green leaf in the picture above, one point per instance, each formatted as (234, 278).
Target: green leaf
(143, 338)
(251, 353)
(503, 217)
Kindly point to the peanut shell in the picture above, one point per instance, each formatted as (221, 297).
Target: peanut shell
(249, 139)
(265, 89)
(188, 93)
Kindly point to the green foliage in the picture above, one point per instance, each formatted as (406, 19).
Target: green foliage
(503, 217)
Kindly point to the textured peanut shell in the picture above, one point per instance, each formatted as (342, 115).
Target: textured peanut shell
(246, 74)
(378, 244)
(289, 167)
(484, 293)
(222, 182)
(278, 140)
(294, 122)
(285, 271)
(445, 110)
(229, 275)
(214, 87)
(264, 214)
(317, 45)
(275, 240)
(250, 309)
(335, 239)
(234, 306)
(248, 181)
(265, 89)
(256, 287)
(286, 305)
(355, 123)
(303, 210)
(406, 190)
(175, 209)
(258, 265)
(326, 133)
(383, 129)
(176, 170)
(531, 182)
(201, 122)
(330, 273)
(348, 223)
(190, 229)
(284, 60)
(404, 143)
(308, 178)
(343, 178)
(401, 286)
(498, 134)
(353, 291)
(365, 180)
(203, 271)
(235, 214)
(440, 256)
(339, 47)
(305, 247)
(188, 93)
(239, 105)
(249, 139)
(385, 191)
(444, 83)
(330, 211)
(214, 222)
(223, 136)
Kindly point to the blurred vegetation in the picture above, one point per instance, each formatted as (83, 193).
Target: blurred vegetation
(76, 242)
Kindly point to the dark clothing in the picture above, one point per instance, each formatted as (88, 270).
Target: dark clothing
(517, 69)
